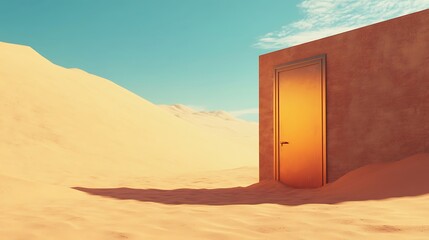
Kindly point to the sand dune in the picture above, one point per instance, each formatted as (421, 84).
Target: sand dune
(220, 122)
(66, 126)
(82, 158)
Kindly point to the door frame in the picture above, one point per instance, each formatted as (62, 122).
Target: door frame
(291, 65)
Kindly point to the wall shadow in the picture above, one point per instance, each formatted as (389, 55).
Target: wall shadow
(260, 193)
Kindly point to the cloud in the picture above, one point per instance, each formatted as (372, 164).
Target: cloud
(249, 111)
(324, 18)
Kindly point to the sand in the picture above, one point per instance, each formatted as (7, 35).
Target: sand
(83, 158)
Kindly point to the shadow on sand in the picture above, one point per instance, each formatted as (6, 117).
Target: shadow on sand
(265, 192)
(404, 178)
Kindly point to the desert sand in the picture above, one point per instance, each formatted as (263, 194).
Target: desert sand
(83, 158)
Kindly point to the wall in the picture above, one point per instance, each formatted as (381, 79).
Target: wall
(377, 94)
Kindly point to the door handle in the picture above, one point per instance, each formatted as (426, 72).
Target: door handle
(284, 143)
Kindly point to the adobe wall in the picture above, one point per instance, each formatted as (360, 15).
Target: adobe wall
(377, 94)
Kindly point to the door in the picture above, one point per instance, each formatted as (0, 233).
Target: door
(300, 123)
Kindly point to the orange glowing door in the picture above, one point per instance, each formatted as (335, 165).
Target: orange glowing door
(301, 123)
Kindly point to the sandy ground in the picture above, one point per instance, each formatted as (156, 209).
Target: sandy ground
(211, 205)
(82, 158)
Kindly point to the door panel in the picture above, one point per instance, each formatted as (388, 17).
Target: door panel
(301, 124)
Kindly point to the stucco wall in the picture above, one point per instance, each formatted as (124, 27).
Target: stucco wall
(377, 94)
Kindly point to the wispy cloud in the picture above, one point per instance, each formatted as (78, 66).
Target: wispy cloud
(249, 111)
(323, 18)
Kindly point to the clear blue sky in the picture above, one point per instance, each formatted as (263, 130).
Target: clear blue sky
(201, 53)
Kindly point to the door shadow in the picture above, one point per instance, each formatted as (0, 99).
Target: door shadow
(260, 193)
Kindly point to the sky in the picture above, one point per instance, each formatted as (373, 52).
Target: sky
(200, 53)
